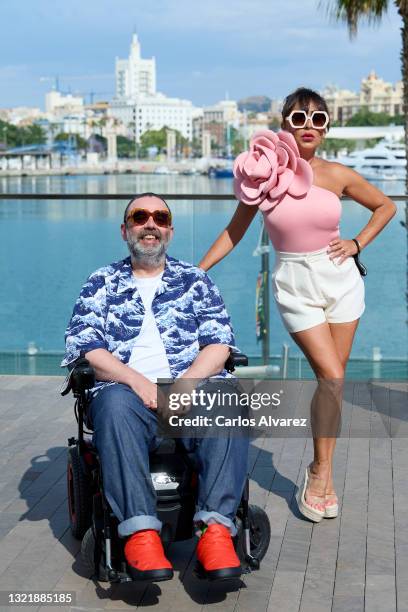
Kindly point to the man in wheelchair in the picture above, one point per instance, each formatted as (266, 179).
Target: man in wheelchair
(145, 318)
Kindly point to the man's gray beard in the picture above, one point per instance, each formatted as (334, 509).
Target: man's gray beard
(147, 257)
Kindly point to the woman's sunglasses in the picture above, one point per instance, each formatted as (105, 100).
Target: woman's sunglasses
(298, 119)
(140, 216)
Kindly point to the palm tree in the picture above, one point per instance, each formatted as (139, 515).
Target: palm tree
(354, 11)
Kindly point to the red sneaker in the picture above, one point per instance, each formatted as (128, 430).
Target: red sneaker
(145, 557)
(216, 553)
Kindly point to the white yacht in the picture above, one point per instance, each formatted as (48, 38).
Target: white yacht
(385, 161)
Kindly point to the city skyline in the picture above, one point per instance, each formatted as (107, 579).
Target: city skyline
(200, 57)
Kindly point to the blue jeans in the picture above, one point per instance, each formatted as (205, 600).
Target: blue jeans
(124, 433)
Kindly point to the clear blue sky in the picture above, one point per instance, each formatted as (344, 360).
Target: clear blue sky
(202, 49)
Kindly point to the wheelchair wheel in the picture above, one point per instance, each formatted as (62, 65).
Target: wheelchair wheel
(79, 495)
(88, 552)
(259, 534)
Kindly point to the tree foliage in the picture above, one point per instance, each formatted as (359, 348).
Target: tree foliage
(158, 138)
(79, 141)
(13, 136)
(364, 117)
(154, 138)
(332, 146)
(352, 12)
(275, 124)
(125, 146)
(237, 141)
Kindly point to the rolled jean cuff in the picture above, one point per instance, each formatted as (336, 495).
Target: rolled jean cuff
(214, 517)
(137, 523)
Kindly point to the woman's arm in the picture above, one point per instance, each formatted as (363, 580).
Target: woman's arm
(230, 236)
(370, 197)
(363, 192)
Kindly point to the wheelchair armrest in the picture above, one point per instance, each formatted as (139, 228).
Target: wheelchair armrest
(235, 360)
(80, 379)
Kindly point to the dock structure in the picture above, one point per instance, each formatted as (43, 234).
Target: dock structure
(357, 562)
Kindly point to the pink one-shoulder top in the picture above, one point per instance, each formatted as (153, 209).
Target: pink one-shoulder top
(301, 225)
(299, 216)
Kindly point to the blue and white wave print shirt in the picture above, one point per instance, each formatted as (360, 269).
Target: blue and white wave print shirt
(187, 306)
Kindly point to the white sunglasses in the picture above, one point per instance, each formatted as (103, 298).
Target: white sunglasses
(298, 119)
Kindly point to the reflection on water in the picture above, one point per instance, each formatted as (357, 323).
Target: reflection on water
(115, 183)
(48, 248)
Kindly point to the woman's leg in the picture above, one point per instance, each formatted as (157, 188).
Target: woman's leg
(343, 336)
(319, 347)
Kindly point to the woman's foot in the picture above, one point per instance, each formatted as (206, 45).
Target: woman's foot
(331, 505)
(311, 496)
(316, 490)
(331, 500)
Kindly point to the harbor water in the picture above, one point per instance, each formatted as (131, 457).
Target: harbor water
(48, 248)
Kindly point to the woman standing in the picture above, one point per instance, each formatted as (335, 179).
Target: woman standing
(317, 286)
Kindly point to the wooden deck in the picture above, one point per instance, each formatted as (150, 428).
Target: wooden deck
(356, 562)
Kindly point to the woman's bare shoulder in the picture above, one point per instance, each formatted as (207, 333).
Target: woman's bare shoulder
(336, 169)
(337, 174)
(331, 175)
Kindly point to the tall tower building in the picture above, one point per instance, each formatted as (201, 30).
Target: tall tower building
(135, 76)
(138, 105)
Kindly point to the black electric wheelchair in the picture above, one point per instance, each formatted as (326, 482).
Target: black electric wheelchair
(175, 482)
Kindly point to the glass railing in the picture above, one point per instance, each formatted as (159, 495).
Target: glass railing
(297, 367)
(54, 231)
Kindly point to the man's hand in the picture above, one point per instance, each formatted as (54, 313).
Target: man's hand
(146, 390)
(108, 367)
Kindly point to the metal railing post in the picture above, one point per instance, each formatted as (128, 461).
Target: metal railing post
(285, 360)
(265, 276)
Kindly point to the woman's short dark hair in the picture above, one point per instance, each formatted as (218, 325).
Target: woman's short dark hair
(303, 97)
(149, 194)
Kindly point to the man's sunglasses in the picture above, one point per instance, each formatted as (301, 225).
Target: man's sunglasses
(140, 216)
(298, 119)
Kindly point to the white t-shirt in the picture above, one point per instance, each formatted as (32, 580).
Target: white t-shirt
(148, 355)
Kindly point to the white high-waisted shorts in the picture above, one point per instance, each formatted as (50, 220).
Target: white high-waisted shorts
(310, 288)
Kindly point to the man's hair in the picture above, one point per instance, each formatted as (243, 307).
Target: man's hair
(304, 96)
(148, 194)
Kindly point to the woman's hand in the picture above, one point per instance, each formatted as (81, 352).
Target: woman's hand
(341, 249)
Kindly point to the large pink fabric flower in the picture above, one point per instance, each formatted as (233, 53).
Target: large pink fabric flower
(270, 169)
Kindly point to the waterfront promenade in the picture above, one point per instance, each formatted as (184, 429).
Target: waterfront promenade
(119, 166)
(358, 562)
